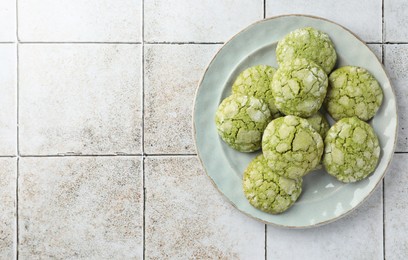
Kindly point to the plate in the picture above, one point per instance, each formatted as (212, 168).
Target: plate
(324, 199)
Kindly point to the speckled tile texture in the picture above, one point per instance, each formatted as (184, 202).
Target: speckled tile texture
(187, 218)
(396, 209)
(80, 98)
(356, 236)
(198, 20)
(76, 208)
(8, 103)
(396, 63)
(172, 73)
(80, 21)
(97, 157)
(363, 17)
(395, 20)
(8, 173)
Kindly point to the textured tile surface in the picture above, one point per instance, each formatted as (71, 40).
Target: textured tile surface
(187, 218)
(396, 209)
(80, 98)
(396, 63)
(8, 173)
(362, 17)
(77, 20)
(395, 20)
(8, 90)
(7, 20)
(198, 20)
(377, 49)
(172, 73)
(356, 236)
(80, 208)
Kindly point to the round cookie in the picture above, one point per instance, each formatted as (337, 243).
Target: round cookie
(307, 43)
(256, 81)
(351, 150)
(319, 123)
(353, 91)
(241, 120)
(299, 87)
(268, 191)
(291, 146)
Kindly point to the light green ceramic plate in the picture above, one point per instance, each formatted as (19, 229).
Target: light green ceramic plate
(324, 199)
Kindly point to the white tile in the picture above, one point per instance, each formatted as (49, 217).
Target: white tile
(377, 50)
(80, 98)
(363, 17)
(8, 99)
(80, 21)
(395, 20)
(8, 173)
(396, 209)
(8, 21)
(187, 218)
(396, 64)
(356, 236)
(172, 73)
(80, 208)
(198, 20)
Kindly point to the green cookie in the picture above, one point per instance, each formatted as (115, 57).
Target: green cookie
(351, 150)
(241, 120)
(299, 87)
(268, 191)
(307, 43)
(256, 81)
(291, 146)
(353, 91)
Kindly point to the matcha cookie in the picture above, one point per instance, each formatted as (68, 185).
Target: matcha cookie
(241, 120)
(256, 81)
(291, 146)
(299, 87)
(307, 43)
(319, 123)
(268, 191)
(351, 150)
(353, 91)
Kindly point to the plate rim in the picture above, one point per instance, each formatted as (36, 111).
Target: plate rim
(225, 197)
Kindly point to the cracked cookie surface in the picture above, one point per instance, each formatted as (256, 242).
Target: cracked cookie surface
(256, 81)
(299, 87)
(268, 191)
(319, 123)
(241, 120)
(307, 43)
(291, 146)
(351, 150)
(353, 91)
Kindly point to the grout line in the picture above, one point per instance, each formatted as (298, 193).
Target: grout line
(16, 239)
(170, 155)
(383, 202)
(6, 42)
(103, 155)
(400, 152)
(143, 134)
(382, 22)
(181, 43)
(264, 9)
(73, 42)
(266, 242)
(80, 155)
(18, 132)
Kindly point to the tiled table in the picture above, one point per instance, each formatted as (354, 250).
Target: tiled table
(97, 156)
